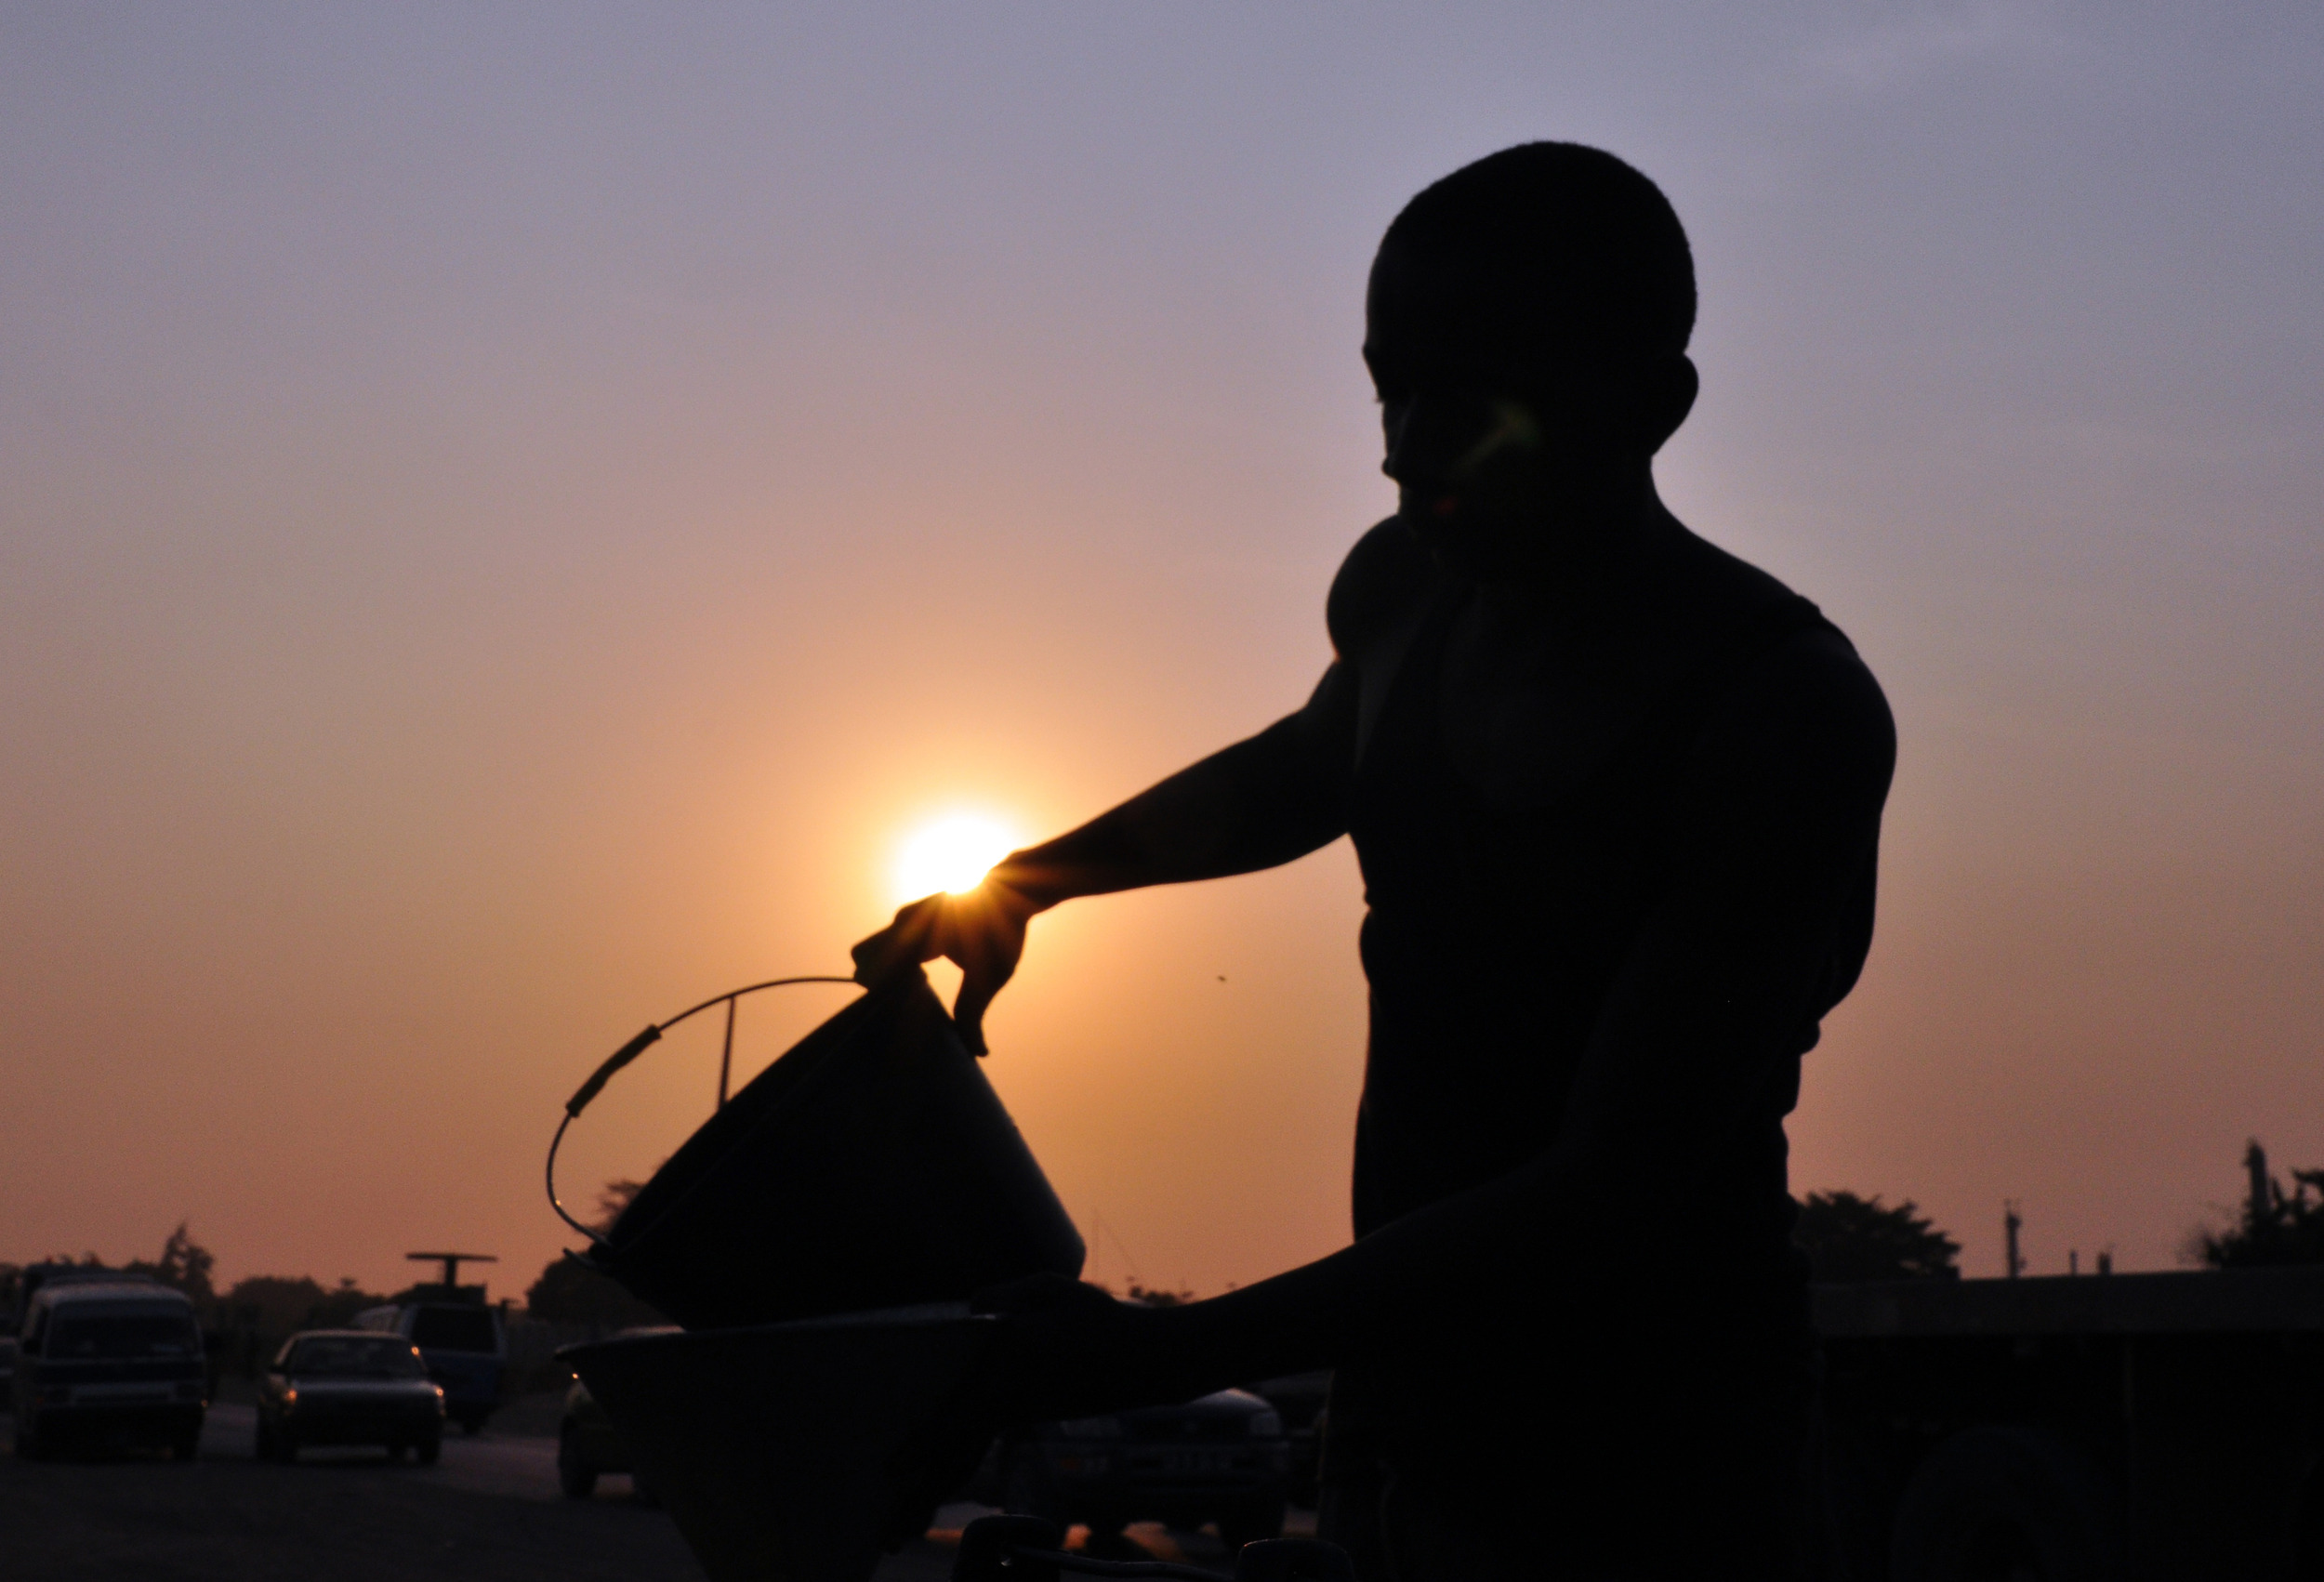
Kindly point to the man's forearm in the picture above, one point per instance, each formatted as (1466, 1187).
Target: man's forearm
(1261, 802)
(1403, 1290)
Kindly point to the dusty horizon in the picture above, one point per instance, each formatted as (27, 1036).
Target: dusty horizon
(517, 518)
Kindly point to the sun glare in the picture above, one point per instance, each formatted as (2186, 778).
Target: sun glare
(953, 854)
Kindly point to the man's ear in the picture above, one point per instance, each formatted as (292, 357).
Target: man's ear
(1668, 398)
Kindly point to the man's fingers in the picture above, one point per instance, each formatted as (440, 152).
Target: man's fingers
(968, 1010)
(987, 940)
(975, 931)
(908, 941)
(875, 958)
(981, 976)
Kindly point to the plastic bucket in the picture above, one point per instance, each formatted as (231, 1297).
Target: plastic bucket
(796, 1453)
(871, 1167)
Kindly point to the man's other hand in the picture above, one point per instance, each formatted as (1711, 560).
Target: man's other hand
(1073, 1349)
(981, 931)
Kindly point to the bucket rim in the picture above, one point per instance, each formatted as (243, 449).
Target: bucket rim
(621, 1238)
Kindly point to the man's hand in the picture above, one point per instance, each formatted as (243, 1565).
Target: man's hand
(981, 931)
(1075, 1351)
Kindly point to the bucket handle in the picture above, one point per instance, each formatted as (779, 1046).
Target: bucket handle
(630, 1051)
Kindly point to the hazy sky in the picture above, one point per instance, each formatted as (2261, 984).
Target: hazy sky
(513, 515)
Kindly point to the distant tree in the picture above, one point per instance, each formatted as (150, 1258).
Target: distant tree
(272, 1304)
(341, 1303)
(616, 1197)
(184, 1264)
(1146, 1294)
(1157, 1298)
(571, 1292)
(2274, 1227)
(1849, 1238)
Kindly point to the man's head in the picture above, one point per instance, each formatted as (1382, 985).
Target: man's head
(1527, 325)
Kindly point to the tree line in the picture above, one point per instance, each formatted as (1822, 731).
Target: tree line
(1850, 1238)
(1846, 1237)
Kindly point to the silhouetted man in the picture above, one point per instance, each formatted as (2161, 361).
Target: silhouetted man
(1617, 800)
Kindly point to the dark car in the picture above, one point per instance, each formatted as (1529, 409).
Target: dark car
(111, 1360)
(586, 1445)
(348, 1387)
(1221, 1458)
(464, 1344)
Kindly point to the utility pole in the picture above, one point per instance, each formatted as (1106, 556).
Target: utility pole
(2011, 1224)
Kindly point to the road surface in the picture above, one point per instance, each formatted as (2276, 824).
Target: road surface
(488, 1512)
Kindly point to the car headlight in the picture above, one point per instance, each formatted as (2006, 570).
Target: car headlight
(1266, 1425)
(1092, 1428)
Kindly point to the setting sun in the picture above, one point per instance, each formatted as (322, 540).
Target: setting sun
(951, 853)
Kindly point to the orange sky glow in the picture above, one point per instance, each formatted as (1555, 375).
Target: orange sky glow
(515, 519)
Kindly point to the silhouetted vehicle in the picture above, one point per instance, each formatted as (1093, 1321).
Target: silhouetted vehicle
(1299, 1399)
(110, 1361)
(348, 1387)
(1220, 1459)
(586, 1445)
(460, 1340)
(2120, 1428)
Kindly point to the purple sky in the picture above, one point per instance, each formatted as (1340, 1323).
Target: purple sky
(513, 515)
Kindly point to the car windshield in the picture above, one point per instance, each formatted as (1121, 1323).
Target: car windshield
(455, 1329)
(116, 1336)
(347, 1356)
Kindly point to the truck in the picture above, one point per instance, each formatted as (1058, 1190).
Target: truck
(2110, 1428)
(460, 1338)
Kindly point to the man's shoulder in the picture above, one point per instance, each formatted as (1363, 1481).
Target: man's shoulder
(1811, 689)
(1701, 584)
(1809, 706)
(1383, 581)
(1820, 663)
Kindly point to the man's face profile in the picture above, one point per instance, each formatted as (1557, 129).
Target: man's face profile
(1507, 449)
(1526, 327)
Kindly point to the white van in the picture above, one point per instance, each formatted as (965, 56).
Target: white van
(111, 1360)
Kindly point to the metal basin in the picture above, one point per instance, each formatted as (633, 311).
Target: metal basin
(872, 1166)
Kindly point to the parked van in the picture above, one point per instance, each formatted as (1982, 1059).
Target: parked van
(111, 1360)
(462, 1344)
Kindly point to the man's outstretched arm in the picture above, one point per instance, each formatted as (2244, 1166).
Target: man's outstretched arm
(1264, 801)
